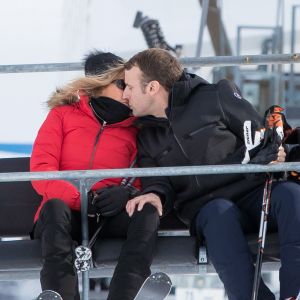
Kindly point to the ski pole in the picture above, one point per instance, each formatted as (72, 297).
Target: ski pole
(262, 234)
(274, 120)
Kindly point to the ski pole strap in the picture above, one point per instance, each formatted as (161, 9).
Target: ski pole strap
(269, 182)
(96, 233)
(126, 180)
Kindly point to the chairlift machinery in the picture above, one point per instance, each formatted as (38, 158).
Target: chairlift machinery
(263, 85)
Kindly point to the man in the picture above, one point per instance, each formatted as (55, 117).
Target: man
(184, 120)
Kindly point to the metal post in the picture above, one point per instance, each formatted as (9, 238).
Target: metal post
(237, 71)
(279, 82)
(293, 39)
(205, 5)
(83, 189)
(223, 71)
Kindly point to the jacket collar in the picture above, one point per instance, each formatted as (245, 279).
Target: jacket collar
(183, 88)
(178, 96)
(151, 121)
(83, 105)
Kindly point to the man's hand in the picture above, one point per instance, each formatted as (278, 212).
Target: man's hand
(270, 152)
(280, 156)
(140, 201)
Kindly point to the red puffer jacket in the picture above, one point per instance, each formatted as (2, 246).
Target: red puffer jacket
(71, 138)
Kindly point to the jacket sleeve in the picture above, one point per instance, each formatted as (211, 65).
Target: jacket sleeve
(240, 117)
(157, 184)
(46, 157)
(137, 182)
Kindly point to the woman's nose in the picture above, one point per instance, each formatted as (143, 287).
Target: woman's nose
(125, 95)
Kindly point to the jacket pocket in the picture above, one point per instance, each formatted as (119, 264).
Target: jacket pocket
(197, 131)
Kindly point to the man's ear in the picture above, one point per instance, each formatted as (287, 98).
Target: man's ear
(154, 87)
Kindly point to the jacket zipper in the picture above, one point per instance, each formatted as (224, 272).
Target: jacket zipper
(95, 144)
(183, 151)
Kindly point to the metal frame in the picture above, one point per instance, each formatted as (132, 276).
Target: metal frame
(83, 180)
(275, 76)
(210, 61)
(293, 41)
(239, 33)
(203, 21)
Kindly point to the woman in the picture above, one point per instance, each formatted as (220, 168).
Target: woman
(88, 127)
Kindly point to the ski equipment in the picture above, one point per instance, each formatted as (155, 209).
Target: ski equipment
(49, 295)
(274, 129)
(156, 287)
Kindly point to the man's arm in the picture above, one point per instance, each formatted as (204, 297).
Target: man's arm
(156, 190)
(244, 121)
(236, 110)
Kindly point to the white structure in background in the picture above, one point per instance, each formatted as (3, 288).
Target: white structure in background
(75, 34)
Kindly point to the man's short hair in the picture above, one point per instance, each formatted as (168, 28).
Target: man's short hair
(97, 62)
(157, 64)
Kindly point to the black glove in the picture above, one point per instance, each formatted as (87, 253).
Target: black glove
(267, 153)
(111, 200)
(269, 150)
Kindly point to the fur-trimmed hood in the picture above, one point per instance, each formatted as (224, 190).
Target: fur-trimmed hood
(59, 98)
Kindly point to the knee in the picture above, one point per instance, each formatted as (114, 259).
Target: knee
(216, 207)
(286, 198)
(217, 212)
(55, 210)
(148, 217)
(148, 210)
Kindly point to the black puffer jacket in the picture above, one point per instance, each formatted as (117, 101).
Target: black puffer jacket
(204, 127)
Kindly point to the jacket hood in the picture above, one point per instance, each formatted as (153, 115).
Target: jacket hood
(59, 98)
(178, 96)
(182, 90)
(184, 87)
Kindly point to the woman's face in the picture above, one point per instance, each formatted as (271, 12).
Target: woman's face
(115, 91)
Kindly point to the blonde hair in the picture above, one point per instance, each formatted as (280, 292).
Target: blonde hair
(90, 85)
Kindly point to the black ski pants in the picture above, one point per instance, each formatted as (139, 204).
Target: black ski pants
(224, 225)
(59, 229)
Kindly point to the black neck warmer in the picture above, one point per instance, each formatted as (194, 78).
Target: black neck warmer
(109, 110)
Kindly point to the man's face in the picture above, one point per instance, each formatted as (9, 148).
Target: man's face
(136, 92)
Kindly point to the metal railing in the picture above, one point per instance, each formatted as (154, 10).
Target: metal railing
(186, 62)
(85, 179)
(148, 172)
